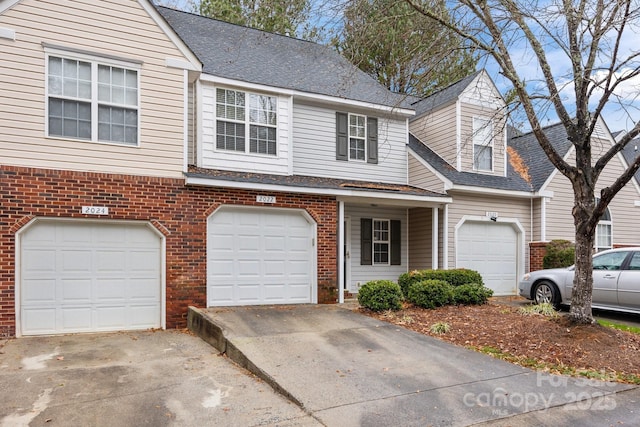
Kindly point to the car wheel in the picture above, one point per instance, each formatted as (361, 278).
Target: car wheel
(546, 292)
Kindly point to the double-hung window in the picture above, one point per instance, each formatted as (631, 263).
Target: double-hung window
(603, 232)
(482, 144)
(381, 241)
(357, 137)
(242, 116)
(92, 101)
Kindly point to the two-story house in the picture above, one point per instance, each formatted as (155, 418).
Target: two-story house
(152, 159)
(508, 200)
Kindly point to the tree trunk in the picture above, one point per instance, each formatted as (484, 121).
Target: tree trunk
(583, 280)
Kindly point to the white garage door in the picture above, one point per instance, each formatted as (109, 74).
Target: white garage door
(89, 276)
(259, 256)
(492, 250)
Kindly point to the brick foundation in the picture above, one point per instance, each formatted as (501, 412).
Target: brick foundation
(177, 211)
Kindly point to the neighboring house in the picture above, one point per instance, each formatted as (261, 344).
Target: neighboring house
(152, 159)
(507, 198)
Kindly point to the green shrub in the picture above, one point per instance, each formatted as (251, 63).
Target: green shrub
(471, 294)
(380, 295)
(456, 277)
(430, 293)
(559, 253)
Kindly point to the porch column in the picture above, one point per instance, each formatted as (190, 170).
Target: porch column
(445, 237)
(434, 238)
(341, 232)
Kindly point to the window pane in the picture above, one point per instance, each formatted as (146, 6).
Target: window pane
(70, 87)
(230, 136)
(357, 126)
(55, 85)
(84, 71)
(55, 66)
(483, 157)
(131, 79)
(131, 97)
(117, 76)
(104, 92)
(84, 89)
(117, 94)
(117, 124)
(356, 149)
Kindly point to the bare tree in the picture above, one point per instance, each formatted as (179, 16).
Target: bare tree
(578, 50)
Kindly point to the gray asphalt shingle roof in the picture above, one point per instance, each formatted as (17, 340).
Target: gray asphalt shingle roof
(443, 96)
(513, 181)
(254, 56)
(527, 146)
(310, 182)
(630, 152)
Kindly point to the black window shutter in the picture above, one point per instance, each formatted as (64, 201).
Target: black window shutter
(372, 140)
(342, 136)
(396, 243)
(366, 241)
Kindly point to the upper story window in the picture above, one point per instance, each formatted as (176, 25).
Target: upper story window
(356, 138)
(239, 121)
(604, 236)
(92, 101)
(482, 144)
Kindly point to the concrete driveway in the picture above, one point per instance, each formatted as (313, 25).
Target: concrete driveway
(154, 378)
(347, 369)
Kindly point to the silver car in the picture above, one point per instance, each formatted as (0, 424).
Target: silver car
(616, 282)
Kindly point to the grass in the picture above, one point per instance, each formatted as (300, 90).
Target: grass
(626, 328)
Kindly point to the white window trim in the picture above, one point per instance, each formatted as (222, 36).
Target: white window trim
(95, 60)
(374, 241)
(610, 224)
(246, 122)
(364, 160)
(475, 130)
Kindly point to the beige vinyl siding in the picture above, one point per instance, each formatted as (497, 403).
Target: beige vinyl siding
(465, 204)
(624, 215)
(420, 232)
(421, 176)
(360, 274)
(314, 153)
(438, 131)
(467, 114)
(536, 234)
(117, 28)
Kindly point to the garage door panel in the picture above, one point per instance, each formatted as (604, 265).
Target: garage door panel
(74, 291)
(39, 320)
(39, 291)
(38, 260)
(77, 319)
(267, 246)
(96, 271)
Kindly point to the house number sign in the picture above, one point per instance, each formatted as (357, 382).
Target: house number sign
(95, 210)
(265, 199)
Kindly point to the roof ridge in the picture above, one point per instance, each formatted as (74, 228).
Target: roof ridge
(197, 15)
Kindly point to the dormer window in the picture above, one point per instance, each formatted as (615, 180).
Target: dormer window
(482, 144)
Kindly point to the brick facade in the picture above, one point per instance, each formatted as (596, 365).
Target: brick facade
(537, 251)
(177, 211)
